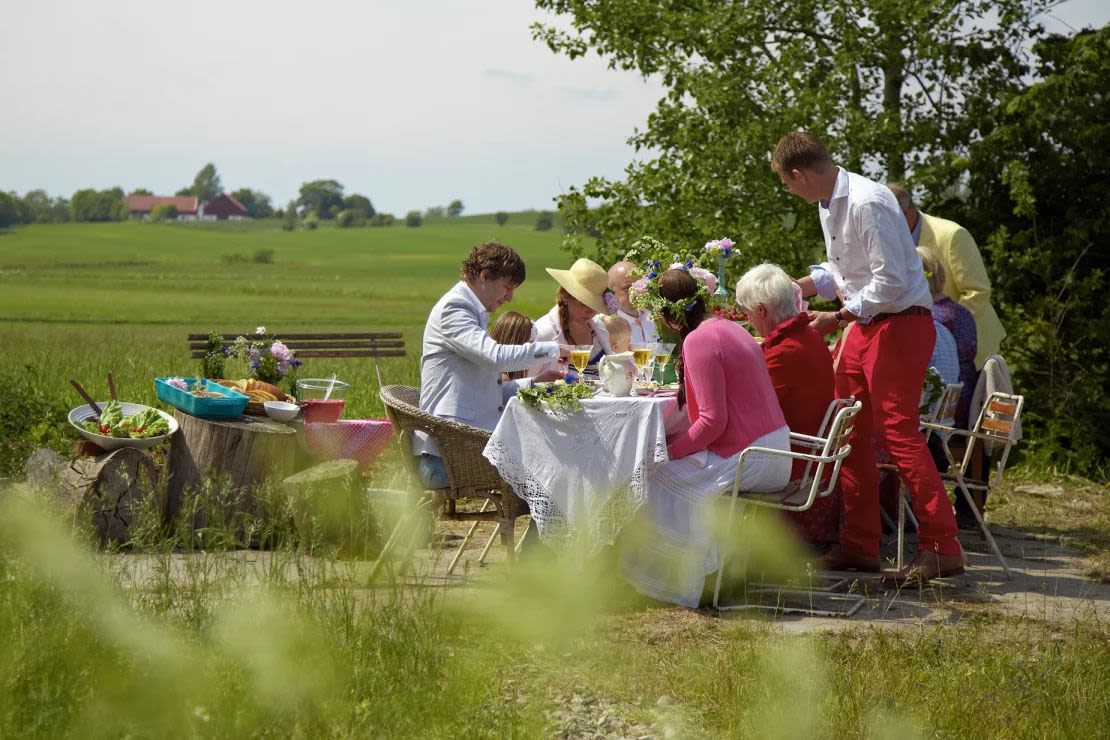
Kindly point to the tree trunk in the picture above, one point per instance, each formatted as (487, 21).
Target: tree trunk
(113, 488)
(221, 471)
(330, 505)
(894, 77)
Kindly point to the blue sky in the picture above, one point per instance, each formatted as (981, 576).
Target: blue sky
(410, 103)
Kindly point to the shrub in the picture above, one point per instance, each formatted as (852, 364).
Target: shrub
(382, 219)
(544, 221)
(233, 259)
(164, 212)
(311, 221)
(30, 418)
(502, 218)
(413, 218)
(349, 218)
(289, 218)
(263, 257)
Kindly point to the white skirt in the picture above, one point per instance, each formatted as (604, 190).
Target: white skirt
(669, 548)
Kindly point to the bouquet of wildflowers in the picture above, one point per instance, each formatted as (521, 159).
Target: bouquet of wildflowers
(269, 359)
(720, 247)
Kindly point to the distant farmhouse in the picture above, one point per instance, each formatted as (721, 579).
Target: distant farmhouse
(189, 208)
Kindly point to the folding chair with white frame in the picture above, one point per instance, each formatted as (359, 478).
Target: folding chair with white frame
(799, 495)
(997, 425)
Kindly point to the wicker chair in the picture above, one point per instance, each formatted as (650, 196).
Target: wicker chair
(470, 473)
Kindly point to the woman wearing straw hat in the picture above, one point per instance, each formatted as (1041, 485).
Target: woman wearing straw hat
(574, 319)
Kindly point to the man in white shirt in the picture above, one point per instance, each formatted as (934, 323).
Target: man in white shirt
(873, 263)
(461, 364)
(643, 328)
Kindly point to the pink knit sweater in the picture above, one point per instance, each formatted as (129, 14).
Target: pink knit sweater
(729, 396)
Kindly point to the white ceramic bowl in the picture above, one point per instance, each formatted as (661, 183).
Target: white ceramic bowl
(83, 413)
(281, 411)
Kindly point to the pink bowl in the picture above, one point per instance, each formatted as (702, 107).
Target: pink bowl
(317, 410)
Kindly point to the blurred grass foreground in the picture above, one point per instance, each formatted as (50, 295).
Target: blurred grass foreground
(172, 641)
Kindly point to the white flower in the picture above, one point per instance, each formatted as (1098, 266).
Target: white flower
(260, 330)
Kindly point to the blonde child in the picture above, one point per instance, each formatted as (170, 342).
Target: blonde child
(620, 333)
(512, 328)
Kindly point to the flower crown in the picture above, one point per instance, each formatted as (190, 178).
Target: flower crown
(644, 293)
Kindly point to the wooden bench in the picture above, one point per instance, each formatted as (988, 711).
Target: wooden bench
(349, 344)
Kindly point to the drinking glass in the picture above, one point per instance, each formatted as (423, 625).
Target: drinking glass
(580, 356)
(643, 354)
(663, 352)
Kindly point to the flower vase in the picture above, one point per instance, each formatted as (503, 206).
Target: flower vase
(721, 291)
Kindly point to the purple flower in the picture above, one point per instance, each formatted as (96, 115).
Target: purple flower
(652, 275)
(549, 389)
(296, 363)
(611, 303)
(178, 383)
(255, 364)
(281, 352)
(570, 379)
(726, 243)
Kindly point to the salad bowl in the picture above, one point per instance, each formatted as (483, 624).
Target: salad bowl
(83, 413)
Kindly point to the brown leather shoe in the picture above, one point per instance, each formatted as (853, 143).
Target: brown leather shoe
(841, 558)
(926, 566)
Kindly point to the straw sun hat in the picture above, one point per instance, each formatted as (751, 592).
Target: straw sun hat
(585, 280)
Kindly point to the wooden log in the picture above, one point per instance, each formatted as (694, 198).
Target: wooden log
(330, 506)
(113, 488)
(219, 470)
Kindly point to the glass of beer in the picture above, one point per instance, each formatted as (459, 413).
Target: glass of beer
(663, 352)
(580, 356)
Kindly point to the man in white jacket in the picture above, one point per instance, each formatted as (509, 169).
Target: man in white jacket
(461, 364)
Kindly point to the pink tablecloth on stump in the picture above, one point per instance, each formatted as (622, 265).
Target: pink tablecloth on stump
(361, 440)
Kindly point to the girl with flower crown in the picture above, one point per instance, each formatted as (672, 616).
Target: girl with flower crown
(731, 405)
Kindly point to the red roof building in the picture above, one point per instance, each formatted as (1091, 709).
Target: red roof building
(224, 207)
(140, 206)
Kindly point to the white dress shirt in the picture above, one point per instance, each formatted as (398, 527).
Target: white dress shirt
(643, 328)
(548, 329)
(461, 365)
(871, 253)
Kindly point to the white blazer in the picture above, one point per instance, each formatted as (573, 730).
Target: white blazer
(548, 329)
(461, 365)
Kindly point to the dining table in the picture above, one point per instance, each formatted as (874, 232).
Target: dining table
(584, 473)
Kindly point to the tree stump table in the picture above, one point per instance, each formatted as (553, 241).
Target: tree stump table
(218, 469)
(112, 488)
(330, 506)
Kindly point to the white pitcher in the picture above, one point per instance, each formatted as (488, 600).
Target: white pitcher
(618, 372)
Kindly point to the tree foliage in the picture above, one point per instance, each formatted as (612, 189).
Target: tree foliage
(325, 197)
(256, 202)
(94, 205)
(455, 208)
(206, 184)
(413, 218)
(356, 202)
(289, 219)
(164, 212)
(885, 82)
(502, 218)
(1040, 194)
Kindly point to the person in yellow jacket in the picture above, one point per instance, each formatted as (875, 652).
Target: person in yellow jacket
(966, 280)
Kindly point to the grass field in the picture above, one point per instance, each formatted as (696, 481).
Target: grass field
(78, 300)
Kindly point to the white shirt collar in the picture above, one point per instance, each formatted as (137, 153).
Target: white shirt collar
(840, 188)
(466, 292)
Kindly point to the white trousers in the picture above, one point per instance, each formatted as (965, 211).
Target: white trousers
(670, 547)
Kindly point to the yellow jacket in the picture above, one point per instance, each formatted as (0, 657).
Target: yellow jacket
(965, 280)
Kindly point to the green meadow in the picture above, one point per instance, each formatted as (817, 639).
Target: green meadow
(78, 300)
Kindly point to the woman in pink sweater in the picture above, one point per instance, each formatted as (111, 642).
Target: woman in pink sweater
(732, 405)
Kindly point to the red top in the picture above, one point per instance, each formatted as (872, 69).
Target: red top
(729, 397)
(802, 373)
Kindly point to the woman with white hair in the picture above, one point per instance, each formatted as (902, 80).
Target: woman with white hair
(801, 372)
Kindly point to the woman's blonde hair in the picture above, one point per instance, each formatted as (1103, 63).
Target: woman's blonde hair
(934, 270)
(512, 328)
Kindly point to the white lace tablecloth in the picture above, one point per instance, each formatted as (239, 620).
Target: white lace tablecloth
(584, 473)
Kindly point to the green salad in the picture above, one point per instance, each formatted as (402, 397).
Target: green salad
(144, 424)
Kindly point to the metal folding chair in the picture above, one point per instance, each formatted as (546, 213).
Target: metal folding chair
(799, 495)
(997, 426)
